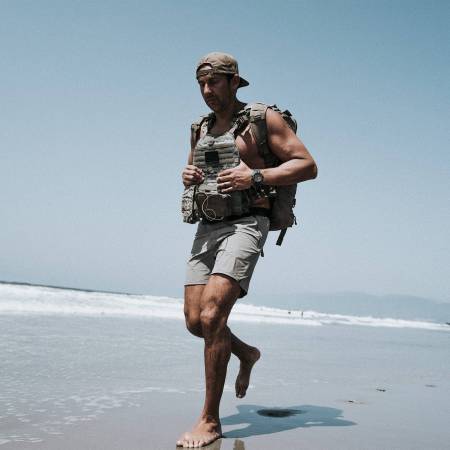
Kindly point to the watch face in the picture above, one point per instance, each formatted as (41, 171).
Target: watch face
(257, 177)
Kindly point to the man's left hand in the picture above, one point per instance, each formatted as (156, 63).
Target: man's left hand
(236, 179)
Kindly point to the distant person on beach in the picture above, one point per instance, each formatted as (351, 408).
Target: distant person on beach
(227, 182)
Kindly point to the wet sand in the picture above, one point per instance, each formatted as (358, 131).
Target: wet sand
(102, 383)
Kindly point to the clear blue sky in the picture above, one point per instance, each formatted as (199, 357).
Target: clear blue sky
(96, 103)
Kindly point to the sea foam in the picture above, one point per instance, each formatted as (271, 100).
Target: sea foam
(18, 299)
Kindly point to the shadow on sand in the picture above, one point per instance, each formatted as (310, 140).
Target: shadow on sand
(263, 420)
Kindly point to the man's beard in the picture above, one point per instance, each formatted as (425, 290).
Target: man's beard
(215, 104)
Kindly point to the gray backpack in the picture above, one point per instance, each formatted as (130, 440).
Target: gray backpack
(282, 197)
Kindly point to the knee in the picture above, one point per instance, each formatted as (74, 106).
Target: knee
(193, 324)
(212, 319)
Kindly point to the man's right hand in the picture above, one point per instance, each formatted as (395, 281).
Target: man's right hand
(192, 175)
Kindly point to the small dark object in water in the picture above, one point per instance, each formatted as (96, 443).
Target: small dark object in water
(279, 412)
(447, 323)
(430, 385)
(381, 390)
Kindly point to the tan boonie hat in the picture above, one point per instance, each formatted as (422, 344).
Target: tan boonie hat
(220, 63)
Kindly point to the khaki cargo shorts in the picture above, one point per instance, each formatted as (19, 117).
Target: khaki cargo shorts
(230, 247)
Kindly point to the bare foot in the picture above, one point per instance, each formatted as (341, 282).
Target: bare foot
(202, 434)
(243, 378)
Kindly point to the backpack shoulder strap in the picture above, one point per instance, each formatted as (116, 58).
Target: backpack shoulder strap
(241, 121)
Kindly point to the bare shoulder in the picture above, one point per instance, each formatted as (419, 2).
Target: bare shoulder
(282, 140)
(276, 124)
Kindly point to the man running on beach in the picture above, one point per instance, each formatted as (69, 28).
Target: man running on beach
(225, 252)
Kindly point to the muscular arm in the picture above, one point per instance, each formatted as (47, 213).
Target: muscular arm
(296, 163)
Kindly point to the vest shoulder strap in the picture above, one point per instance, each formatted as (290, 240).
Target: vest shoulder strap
(198, 127)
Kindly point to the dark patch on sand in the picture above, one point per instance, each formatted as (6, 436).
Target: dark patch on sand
(279, 412)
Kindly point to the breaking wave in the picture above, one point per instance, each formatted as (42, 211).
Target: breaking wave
(22, 299)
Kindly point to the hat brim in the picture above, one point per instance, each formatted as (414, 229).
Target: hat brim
(243, 82)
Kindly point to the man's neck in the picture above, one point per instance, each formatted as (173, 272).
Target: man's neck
(225, 118)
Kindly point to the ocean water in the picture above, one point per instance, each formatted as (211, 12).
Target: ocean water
(68, 357)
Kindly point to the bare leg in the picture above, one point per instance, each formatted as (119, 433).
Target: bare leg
(217, 299)
(247, 354)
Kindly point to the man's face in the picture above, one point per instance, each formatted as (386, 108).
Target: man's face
(217, 91)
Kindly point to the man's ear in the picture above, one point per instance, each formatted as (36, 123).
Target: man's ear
(235, 82)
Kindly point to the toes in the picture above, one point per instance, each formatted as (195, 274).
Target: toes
(183, 439)
(189, 442)
(240, 392)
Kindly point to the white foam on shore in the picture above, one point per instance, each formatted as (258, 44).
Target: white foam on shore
(18, 299)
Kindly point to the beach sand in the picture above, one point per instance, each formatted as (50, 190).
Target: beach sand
(72, 382)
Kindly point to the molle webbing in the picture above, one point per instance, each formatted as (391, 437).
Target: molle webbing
(225, 148)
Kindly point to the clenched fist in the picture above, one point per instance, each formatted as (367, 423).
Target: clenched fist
(192, 175)
(236, 179)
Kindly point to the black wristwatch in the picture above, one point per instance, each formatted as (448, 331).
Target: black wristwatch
(257, 179)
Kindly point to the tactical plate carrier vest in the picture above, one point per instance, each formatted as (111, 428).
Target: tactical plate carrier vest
(213, 154)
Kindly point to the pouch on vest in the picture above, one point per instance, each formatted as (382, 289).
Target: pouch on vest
(189, 209)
